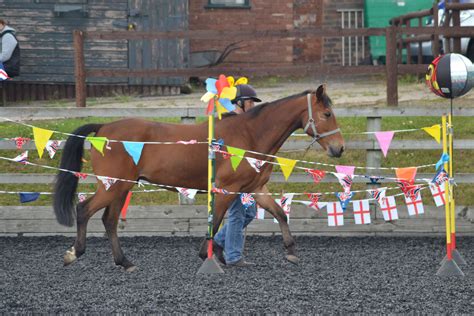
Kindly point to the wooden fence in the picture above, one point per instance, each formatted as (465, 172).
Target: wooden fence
(190, 219)
(392, 69)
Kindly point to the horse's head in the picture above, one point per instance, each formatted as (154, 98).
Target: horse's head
(320, 123)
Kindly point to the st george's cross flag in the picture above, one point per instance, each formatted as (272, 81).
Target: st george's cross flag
(389, 208)
(361, 212)
(335, 214)
(414, 205)
(438, 192)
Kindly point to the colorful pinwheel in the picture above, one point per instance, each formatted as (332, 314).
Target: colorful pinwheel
(220, 93)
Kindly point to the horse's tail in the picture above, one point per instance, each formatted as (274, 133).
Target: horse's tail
(66, 182)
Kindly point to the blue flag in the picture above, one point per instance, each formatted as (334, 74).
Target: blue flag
(134, 149)
(26, 197)
(344, 198)
(444, 158)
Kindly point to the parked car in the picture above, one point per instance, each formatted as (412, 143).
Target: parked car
(467, 44)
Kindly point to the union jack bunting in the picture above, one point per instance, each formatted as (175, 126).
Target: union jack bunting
(315, 206)
(189, 193)
(344, 198)
(3, 73)
(108, 182)
(256, 164)
(374, 179)
(438, 192)
(440, 177)
(247, 200)
(217, 145)
(80, 175)
(81, 197)
(314, 197)
(317, 175)
(378, 194)
(285, 204)
(220, 191)
(52, 146)
(22, 158)
(20, 141)
(345, 180)
(404, 184)
(412, 192)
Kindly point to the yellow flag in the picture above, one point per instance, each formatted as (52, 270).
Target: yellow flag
(98, 143)
(287, 166)
(41, 139)
(434, 131)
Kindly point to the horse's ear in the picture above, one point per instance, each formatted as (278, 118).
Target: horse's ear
(321, 91)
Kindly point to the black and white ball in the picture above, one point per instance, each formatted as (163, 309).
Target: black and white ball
(450, 76)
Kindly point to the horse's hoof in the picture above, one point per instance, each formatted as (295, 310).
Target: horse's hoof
(131, 269)
(70, 256)
(293, 259)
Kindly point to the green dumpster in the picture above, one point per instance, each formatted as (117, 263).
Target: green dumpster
(378, 14)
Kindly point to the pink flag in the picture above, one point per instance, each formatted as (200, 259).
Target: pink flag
(349, 170)
(384, 138)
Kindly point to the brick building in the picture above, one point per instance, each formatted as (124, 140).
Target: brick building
(280, 15)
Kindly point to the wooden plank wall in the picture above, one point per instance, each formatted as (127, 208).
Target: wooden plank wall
(191, 220)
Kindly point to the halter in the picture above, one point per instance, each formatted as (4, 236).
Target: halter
(312, 123)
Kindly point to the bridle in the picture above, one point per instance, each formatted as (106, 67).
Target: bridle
(312, 123)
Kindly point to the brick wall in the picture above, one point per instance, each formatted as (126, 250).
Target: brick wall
(263, 15)
(307, 13)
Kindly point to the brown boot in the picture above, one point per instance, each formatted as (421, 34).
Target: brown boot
(241, 264)
(218, 251)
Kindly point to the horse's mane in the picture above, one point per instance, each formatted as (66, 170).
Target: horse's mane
(255, 111)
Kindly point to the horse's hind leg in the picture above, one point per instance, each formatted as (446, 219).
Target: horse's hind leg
(110, 220)
(271, 206)
(84, 213)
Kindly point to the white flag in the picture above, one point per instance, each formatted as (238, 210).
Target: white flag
(189, 193)
(260, 213)
(256, 164)
(415, 206)
(361, 211)
(438, 192)
(316, 207)
(108, 182)
(285, 204)
(389, 208)
(335, 214)
(52, 146)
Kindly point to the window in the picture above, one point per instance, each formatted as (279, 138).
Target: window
(228, 4)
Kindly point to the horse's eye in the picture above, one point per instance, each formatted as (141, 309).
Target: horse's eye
(327, 114)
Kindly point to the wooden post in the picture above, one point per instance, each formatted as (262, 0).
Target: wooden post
(456, 23)
(391, 66)
(435, 41)
(79, 68)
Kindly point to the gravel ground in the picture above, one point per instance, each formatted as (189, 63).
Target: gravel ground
(336, 275)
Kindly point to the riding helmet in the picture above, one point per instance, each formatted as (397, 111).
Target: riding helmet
(244, 92)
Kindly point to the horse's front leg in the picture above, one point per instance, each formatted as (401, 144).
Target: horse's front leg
(267, 202)
(221, 204)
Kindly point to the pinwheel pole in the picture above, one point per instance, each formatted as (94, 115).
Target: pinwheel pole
(210, 265)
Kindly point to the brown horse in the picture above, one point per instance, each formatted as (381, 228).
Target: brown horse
(263, 129)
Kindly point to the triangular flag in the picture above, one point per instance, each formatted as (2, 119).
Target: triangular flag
(286, 166)
(315, 207)
(345, 180)
(23, 157)
(257, 164)
(108, 182)
(134, 149)
(41, 138)
(28, 196)
(237, 155)
(189, 193)
(52, 147)
(384, 139)
(406, 173)
(349, 170)
(317, 175)
(434, 131)
(344, 198)
(444, 159)
(285, 204)
(378, 194)
(98, 143)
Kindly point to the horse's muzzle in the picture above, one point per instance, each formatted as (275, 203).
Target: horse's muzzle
(335, 151)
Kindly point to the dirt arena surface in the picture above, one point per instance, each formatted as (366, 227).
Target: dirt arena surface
(336, 275)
